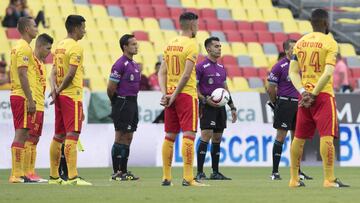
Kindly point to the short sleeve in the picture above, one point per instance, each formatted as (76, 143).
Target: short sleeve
(274, 75)
(198, 72)
(76, 55)
(192, 52)
(23, 57)
(331, 53)
(116, 72)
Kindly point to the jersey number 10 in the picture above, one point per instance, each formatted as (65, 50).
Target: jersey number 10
(174, 64)
(314, 61)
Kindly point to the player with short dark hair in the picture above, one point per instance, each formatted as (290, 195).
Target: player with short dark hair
(210, 76)
(123, 88)
(67, 92)
(22, 96)
(177, 79)
(315, 57)
(42, 50)
(284, 102)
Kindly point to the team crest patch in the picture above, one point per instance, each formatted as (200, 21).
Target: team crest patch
(132, 77)
(25, 58)
(211, 81)
(194, 56)
(78, 59)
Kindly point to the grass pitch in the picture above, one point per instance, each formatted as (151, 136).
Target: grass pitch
(248, 185)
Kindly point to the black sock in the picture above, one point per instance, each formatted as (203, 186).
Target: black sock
(201, 153)
(115, 155)
(277, 150)
(124, 153)
(215, 156)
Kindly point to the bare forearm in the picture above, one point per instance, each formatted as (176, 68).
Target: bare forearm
(184, 79)
(66, 82)
(25, 86)
(162, 77)
(272, 93)
(295, 76)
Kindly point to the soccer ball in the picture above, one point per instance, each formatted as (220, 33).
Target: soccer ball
(220, 96)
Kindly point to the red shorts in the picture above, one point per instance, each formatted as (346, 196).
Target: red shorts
(37, 124)
(182, 114)
(321, 116)
(68, 115)
(21, 118)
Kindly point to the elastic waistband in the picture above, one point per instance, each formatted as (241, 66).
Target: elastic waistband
(129, 98)
(288, 98)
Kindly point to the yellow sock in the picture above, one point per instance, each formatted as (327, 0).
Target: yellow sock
(33, 158)
(18, 155)
(187, 151)
(327, 152)
(70, 152)
(167, 156)
(27, 157)
(55, 157)
(296, 151)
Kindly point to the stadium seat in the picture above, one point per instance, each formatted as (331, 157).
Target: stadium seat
(130, 11)
(264, 4)
(239, 48)
(284, 13)
(243, 26)
(175, 12)
(111, 2)
(203, 4)
(67, 9)
(255, 48)
(228, 25)
(151, 24)
(249, 36)
(223, 14)
(161, 11)
(207, 13)
(141, 35)
(275, 26)
(169, 34)
(226, 49)
(264, 37)
(173, 3)
(135, 24)
(280, 37)
(270, 49)
(347, 50)
(127, 2)
(259, 26)
(220, 4)
(233, 36)
(269, 15)
(304, 26)
(262, 73)
(290, 26)
(103, 23)
(295, 36)
(255, 82)
(146, 11)
(158, 2)
(249, 72)
(355, 72)
(188, 3)
(12, 33)
(84, 2)
(201, 36)
(239, 14)
(229, 60)
(353, 62)
(260, 61)
(254, 14)
(240, 84)
(120, 24)
(233, 71)
(115, 11)
(166, 24)
(249, 3)
(146, 47)
(143, 2)
(244, 61)
(99, 46)
(220, 35)
(99, 11)
(212, 24)
(84, 10)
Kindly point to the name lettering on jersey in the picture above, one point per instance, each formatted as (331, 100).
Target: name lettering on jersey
(284, 64)
(175, 48)
(206, 65)
(60, 51)
(309, 44)
(272, 77)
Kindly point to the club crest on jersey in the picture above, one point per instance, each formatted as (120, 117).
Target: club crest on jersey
(25, 58)
(132, 77)
(211, 81)
(78, 59)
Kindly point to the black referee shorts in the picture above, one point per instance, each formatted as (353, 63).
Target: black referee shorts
(285, 114)
(125, 114)
(212, 118)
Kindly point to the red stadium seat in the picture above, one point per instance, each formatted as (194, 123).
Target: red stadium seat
(259, 26)
(130, 11)
(212, 24)
(280, 37)
(229, 60)
(249, 72)
(265, 37)
(233, 36)
(101, 2)
(112, 2)
(249, 36)
(141, 35)
(295, 36)
(175, 12)
(161, 11)
(146, 11)
(158, 2)
(228, 25)
(233, 71)
(12, 33)
(243, 26)
(262, 73)
(208, 13)
(355, 72)
(279, 46)
(143, 2)
(127, 2)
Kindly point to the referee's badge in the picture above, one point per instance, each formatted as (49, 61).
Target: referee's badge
(132, 77)
(210, 81)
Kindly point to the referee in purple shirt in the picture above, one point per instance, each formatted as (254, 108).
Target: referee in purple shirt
(211, 75)
(284, 101)
(122, 90)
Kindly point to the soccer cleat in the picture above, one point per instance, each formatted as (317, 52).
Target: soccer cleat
(56, 181)
(275, 176)
(195, 183)
(303, 176)
(128, 176)
(78, 181)
(14, 179)
(36, 178)
(116, 176)
(296, 184)
(218, 176)
(336, 183)
(200, 176)
(166, 183)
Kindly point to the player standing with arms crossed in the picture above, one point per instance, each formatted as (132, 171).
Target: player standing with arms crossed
(177, 79)
(315, 56)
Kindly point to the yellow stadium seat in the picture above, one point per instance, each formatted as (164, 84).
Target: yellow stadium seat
(120, 24)
(272, 61)
(60, 33)
(347, 49)
(216, 4)
(102, 59)
(347, 20)
(264, 4)
(88, 59)
(51, 10)
(156, 36)
(109, 36)
(230, 84)
(91, 71)
(225, 49)
(169, 34)
(239, 14)
(57, 23)
(67, 9)
(84, 10)
(93, 35)
(5, 47)
(201, 4)
(189, 3)
(260, 61)
(304, 26)
(99, 11)
(159, 47)
(255, 48)
(135, 24)
(99, 46)
(66, 2)
(98, 84)
(254, 14)
(149, 60)
(115, 50)
(234, 4)
(145, 47)
(285, 14)
(202, 49)
(290, 26)
(138, 58)
(249, 4)
(86, 45)
(240, 84)
(239, 48)
(151, 24)
(103, 23)
(269, 14)
(201, 36)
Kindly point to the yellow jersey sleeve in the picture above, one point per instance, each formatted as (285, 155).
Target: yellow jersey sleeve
(23, 56)
(332, 52)
(192, 52)
(76, 54)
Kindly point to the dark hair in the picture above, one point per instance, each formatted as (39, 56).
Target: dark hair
(23, 22)
(286, 44)
(157, 63)
(186, 17)
(44, 39)
(124, 40)
(73, 21)
(209, 40)
(281, 55)
(318, 16)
